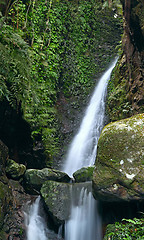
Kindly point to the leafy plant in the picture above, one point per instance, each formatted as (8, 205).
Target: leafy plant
(128, 229)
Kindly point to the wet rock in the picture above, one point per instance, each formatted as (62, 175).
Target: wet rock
(15, 170)
(120, 161)
(34, 178)
(14, 225)
(59, 197)
(84, 174)
(56, 197)
(5, 201)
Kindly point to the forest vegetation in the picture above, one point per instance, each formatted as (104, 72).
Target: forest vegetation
(52, 54)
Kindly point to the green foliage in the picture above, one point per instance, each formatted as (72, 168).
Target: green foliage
(128, 229)
(52, 47)
(14, 67)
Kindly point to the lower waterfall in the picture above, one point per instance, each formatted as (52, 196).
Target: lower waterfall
(84, 222)
(36, 227)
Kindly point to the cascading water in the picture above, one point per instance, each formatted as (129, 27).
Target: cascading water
(84, 222)
(82, 151)
(36, 228)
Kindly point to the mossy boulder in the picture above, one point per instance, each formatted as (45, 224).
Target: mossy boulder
(84, 174)
(15, 170)
(34, 178)
(119, 172)
(57, 199)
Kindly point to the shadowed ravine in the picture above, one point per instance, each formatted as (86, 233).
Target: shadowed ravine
(84, 222)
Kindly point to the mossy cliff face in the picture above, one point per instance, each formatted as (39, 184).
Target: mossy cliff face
(120, 161)
(49, 63)
(126, 90)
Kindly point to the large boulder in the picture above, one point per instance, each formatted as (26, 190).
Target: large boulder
(34, 178)
(119, 172)
(84, 174)
(60, 197)
(15, 170)
(57, 199)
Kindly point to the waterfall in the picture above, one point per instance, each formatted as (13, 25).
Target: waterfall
(85, 222)
(82, 151)
(36, 227)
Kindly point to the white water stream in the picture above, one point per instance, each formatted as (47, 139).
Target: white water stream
(36, 227)
(82, 151)
(84, 222)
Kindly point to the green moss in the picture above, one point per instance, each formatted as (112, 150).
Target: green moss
(57, 199)
(84, 174)
(62, 58)
(15, 170)
(118, 105)
(3, 235)
(120, 158)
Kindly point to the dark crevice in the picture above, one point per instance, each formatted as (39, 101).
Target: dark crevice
(137, 35)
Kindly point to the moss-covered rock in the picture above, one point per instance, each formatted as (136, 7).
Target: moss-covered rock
(84, 174)
(34, 178)
(3, 156)
(57, 198)
(120, 161)
(15, 170)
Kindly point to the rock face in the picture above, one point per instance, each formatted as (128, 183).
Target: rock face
(14, 225)
(3, 156)
(5, 190)
(126, 96)
(5, 201)
(35, 178)
(15, 170)
(84, 174)
(12, 200)
(57, 200)
(119, 172)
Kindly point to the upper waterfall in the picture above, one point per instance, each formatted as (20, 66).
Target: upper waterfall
(82, 151)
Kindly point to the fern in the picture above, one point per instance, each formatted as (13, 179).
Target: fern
(14, 67)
